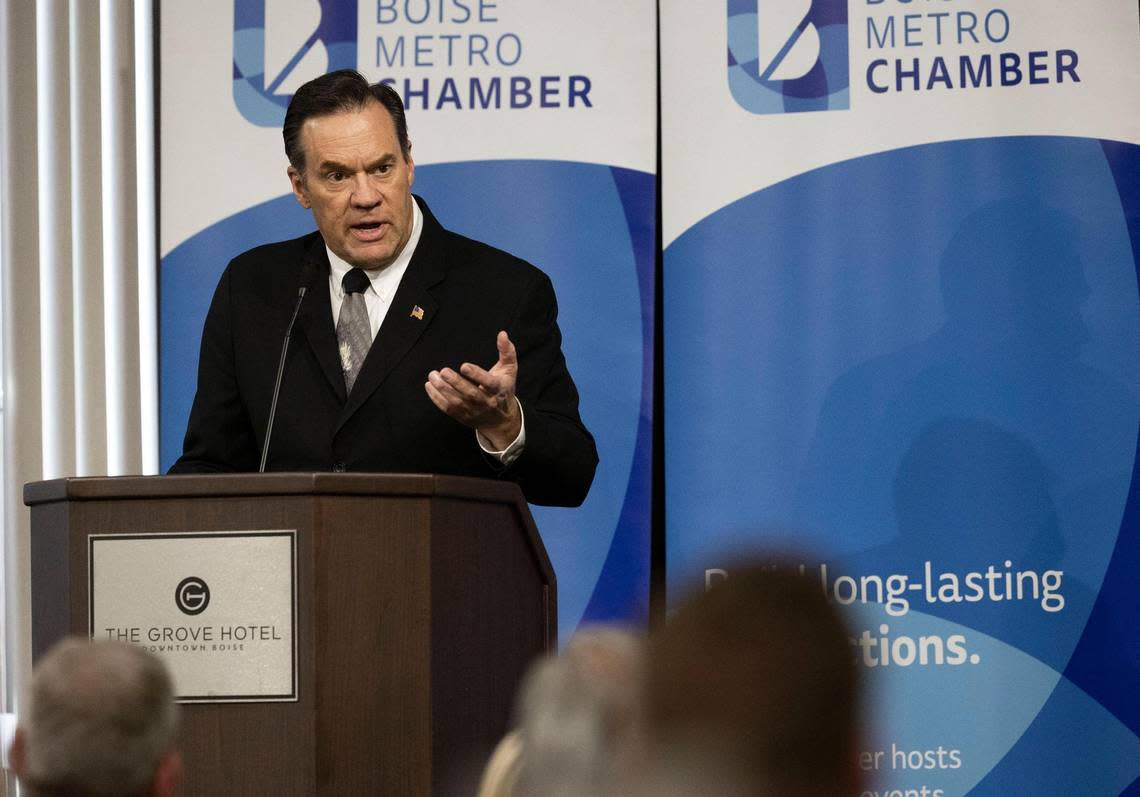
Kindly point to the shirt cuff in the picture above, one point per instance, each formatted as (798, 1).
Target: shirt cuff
(511, 452)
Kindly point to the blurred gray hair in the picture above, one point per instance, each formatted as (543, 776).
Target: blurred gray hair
(102, 717)
(578, 714)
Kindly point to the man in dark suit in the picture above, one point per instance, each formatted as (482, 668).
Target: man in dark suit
(381, 268)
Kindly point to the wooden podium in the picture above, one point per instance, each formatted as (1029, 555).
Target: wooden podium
(420, 600)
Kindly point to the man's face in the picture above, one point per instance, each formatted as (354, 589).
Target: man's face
(358, 184)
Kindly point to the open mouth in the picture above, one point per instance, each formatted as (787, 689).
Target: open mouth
(369, 230)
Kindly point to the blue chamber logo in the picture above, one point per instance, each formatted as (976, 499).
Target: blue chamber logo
(788, 56)
(280, 44)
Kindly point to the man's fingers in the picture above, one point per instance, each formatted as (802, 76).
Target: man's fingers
(473, 394)
(490, 383)
(463, 387)
(436, 397)
(446, 393)
(443, 387)
(507, 353)
(500, 379)
(444, 397)
(459, 397)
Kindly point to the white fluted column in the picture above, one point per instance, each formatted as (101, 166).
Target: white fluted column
(78, 266)
(53, 156)
(87, 241)
(146, 247)
(20, 289)
(120, 279)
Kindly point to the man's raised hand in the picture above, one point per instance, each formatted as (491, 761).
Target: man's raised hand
(481, 399)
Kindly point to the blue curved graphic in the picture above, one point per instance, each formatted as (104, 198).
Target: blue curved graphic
(928, 356)
(584, 225)
(622, 589)
(1073, 746)
(997, 700)
(1106, 662)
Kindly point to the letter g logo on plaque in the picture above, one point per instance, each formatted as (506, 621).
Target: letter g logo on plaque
(788, 56)
(192, 595)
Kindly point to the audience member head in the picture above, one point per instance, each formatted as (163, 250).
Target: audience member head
(751, 688)
(101, 723)
(577, 714)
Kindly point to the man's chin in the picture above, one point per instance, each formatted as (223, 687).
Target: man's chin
(369, 258)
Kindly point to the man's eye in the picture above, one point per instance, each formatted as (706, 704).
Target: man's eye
(336, 177)
(387, 167)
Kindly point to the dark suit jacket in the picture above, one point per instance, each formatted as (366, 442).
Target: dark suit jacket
(467, 292)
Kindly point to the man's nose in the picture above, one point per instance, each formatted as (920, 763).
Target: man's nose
(364, 193)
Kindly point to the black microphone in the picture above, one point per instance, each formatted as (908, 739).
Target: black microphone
(280, 373)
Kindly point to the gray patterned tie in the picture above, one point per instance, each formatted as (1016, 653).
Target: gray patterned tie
(353, 332)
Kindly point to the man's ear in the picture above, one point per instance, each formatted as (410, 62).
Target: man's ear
(168, 776)
(18, 753)
(411, 165)
(297, 180)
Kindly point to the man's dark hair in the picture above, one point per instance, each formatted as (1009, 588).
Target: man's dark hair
(757, 675)
(337, 92)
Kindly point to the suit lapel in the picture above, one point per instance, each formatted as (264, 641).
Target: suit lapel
(412, 311)
(315, 318)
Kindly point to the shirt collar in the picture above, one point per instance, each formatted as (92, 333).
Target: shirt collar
(384, 280)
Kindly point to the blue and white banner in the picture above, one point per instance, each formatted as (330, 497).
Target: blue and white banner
(902, 328)
(532, 128)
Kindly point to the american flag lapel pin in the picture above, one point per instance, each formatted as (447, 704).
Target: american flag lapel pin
(417, 313)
